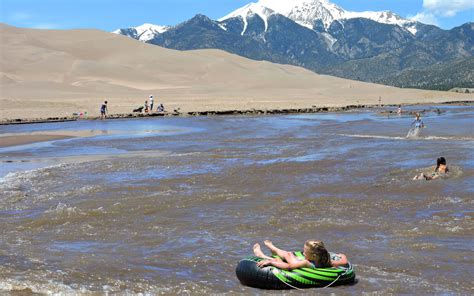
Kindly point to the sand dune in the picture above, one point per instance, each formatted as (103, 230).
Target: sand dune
(45, 73)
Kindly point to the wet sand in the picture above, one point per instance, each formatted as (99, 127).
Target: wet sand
(6, 141)
(9, 139)
(15, 139)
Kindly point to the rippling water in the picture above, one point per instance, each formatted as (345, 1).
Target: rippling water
(170, 205)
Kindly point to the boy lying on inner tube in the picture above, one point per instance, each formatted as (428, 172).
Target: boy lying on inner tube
(315, 253)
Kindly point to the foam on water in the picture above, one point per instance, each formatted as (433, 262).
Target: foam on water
(428, 138)
(62, 209)
(114, 287)
(11, 285)
(414, 133)
(14, 180)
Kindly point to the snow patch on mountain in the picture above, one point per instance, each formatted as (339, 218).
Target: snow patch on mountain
(306, 12)
(250, 10)
(144, 32)
(384, 17)
(329, 40)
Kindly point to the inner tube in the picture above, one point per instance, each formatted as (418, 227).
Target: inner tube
(273, 278)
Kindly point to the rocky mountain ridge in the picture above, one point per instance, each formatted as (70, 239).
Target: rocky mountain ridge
(322, 37)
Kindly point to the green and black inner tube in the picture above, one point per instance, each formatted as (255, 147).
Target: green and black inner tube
(270, 277)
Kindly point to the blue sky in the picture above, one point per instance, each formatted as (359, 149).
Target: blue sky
(109, 15)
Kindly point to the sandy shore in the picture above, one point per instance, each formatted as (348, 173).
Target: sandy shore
(242, 111)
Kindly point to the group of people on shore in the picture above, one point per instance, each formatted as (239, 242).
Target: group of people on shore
(147, 108)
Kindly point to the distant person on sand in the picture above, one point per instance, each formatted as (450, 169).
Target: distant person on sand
(315, 253)
(160, 108)
(441, 170)
(151, 103)
(146, 106)
(103, 110)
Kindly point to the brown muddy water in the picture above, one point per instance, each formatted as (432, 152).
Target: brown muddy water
(170, 205)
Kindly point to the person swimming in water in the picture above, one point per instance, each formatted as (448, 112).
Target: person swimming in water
(441, 170)
(315, 254)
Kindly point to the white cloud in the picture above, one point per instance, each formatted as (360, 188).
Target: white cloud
(447, 8)
(20, 16)
(434, 9)
(425, 18)
(44, 26)
(26, 19)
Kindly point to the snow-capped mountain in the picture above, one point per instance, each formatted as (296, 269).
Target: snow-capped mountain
(322, 37)
(144, 32)
(303, 12)
(311, 13)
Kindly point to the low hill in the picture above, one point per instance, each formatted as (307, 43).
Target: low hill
(445, 76)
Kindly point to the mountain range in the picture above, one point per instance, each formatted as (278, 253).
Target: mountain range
(379, 47)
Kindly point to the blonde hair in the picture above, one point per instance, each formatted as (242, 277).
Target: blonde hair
(317, 253)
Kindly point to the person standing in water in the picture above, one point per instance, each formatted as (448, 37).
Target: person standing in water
(415, 132)
(399, 110)
(418, 122)
(103, 111)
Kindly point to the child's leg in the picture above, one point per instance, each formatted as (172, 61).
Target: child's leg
(258, 252)
(288, 256)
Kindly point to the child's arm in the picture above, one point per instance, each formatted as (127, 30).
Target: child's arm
(284, 265)
(341, 261)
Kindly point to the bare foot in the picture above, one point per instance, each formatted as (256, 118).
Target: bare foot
(270, 245)
(419, 177)
(258, 251)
